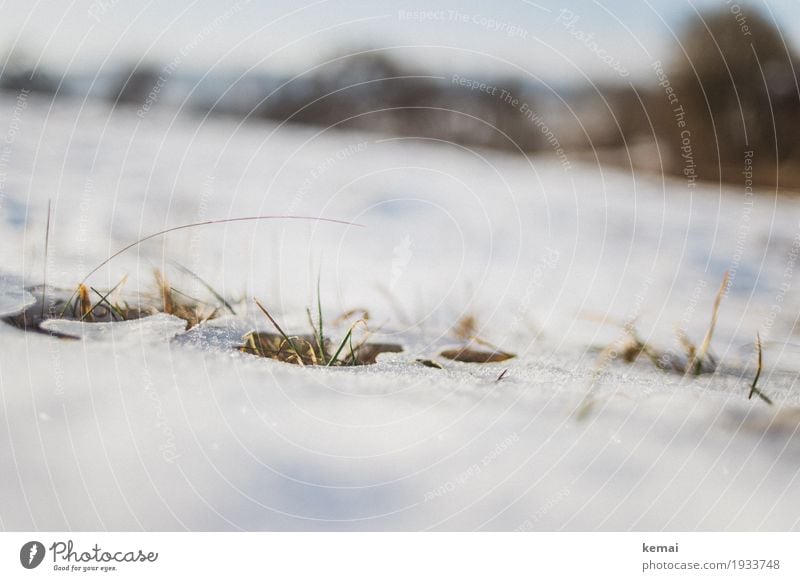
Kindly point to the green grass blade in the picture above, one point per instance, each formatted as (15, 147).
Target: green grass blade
(341, 346)
(321, 337)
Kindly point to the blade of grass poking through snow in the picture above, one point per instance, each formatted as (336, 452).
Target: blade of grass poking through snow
(207, 286)
(46, 251)
(315, 333)
(345, 341)
(284, 335)
(753, 388)
(84, 303)
(696, 364)
(319, 316)
(197, 225)
(166, 293)
(341, 346)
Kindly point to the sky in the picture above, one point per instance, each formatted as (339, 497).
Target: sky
(552, 41)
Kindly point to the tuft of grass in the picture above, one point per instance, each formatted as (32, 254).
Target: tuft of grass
(113, 309)
(181, 305)
(466, 329)
(634, 347)
(313, 349)
(696, 362)
(281, 331)
(91, 305)
(348, 340)
(274, 346)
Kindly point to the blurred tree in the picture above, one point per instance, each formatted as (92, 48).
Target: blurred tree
(735, 79)
(21, 73)
(138, 85)
(372, 90)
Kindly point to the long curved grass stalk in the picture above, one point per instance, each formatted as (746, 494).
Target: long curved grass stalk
(196, 225)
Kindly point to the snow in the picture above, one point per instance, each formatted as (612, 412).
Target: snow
(159, 429)
(14, 298)
(155, 328)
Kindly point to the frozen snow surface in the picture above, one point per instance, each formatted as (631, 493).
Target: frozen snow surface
(142, 425)
(14, 299)
(154, 328)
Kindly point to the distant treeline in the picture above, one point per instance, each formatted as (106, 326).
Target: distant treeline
(725, 105)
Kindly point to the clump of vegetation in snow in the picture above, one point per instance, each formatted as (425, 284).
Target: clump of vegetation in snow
(692, 362)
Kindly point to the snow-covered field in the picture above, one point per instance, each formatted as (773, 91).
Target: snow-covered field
(141, 429)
